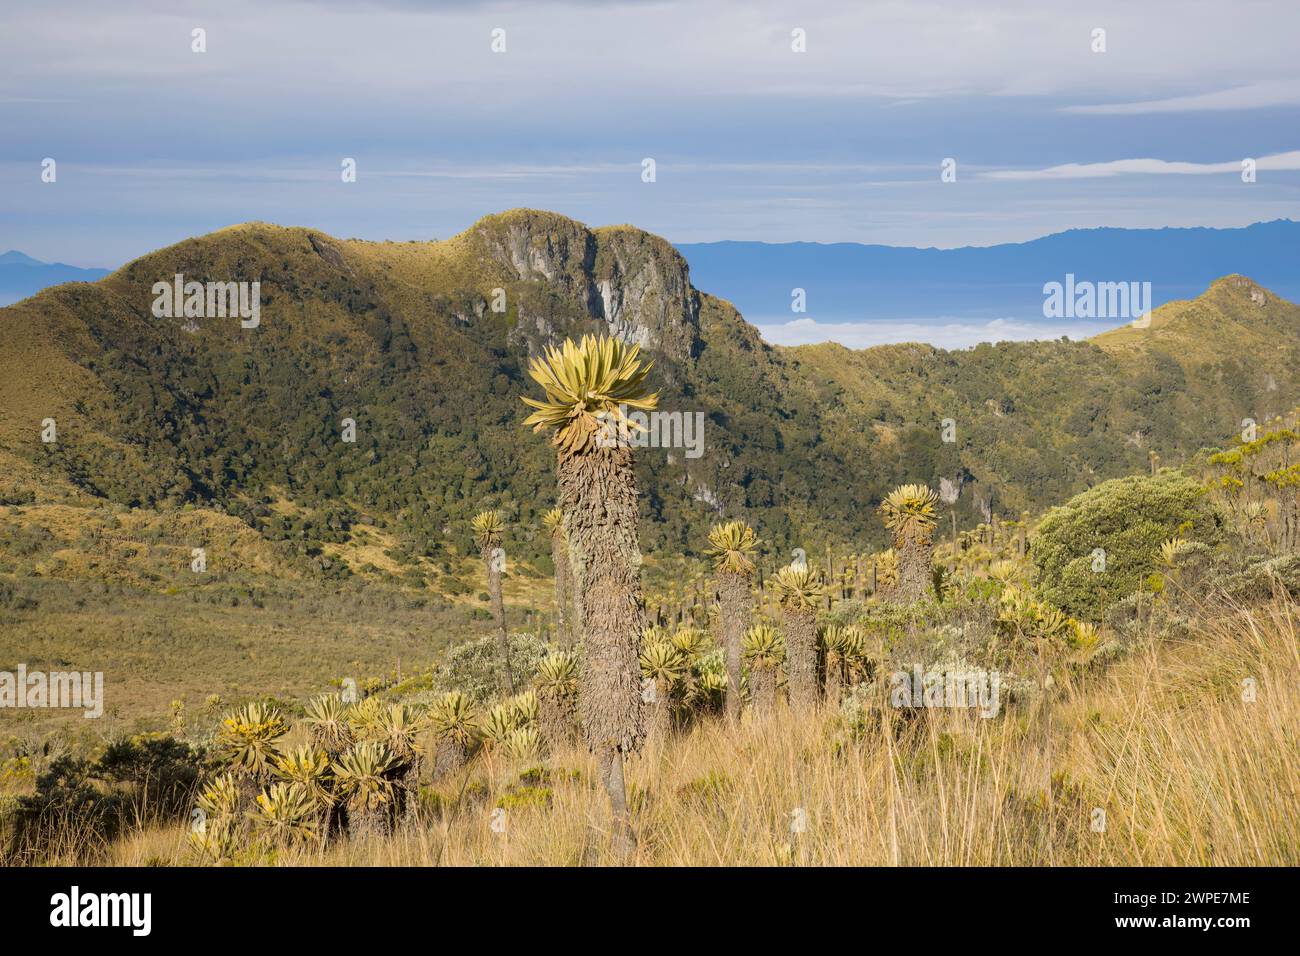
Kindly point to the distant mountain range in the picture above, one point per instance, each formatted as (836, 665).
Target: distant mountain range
(851, 282)
(21, 275)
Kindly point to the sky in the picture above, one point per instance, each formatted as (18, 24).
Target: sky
(843, 142)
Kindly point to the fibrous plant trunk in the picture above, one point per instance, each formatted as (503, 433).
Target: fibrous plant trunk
(364, 822)
(915, 556)
(560, 557)
(762, 685)
(598, 497)
(557, 716)
(661, 711)
(834, 682)
(449, 756)
(408, 790)
(611, 773)
(491, 562)
(801, 656)
(736, 609)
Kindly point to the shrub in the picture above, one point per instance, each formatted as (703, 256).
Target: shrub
(1128, 519)
(472, 667)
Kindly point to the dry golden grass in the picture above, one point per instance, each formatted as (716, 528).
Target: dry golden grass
(1188, 773)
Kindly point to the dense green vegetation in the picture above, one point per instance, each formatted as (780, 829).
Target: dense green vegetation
(1100, 546)
(803, 443)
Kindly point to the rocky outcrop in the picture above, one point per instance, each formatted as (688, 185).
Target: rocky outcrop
(634, 282)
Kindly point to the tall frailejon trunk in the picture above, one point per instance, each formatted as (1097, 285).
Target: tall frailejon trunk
(492, 563)
(611, 773)
(557, 717)
(834, 683)
(762, 684)
(661, 711)
(915, 579)
(598, 496)
(560, 557)
(449, 756)
(801, 657)
(736, 608)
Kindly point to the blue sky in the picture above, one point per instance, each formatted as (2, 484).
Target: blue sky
(751, 140)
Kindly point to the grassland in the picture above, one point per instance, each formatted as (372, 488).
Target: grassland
(1187, 772)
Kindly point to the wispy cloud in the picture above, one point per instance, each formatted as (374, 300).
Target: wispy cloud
(1146, 167)
(1253, 96)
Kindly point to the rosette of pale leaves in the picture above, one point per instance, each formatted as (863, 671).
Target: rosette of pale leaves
(308, 768)
(690, 642)
(553, 522)
(798, 587)
(327, 719)
(364, 715)
(214, 835)
(589, 386)
(454, 717)
(398, 726)
(557, 674)
(732, 547)
(364, 775)
(522, 743)
(246, 739)
(487, 527)
(908, 511)
(499, 722)
(524, 706)
(662, 663)
(763, 646)
(285, 815)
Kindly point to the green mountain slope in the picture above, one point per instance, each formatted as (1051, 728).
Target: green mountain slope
(403, 339)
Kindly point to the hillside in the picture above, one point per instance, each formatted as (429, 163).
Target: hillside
(402, 338)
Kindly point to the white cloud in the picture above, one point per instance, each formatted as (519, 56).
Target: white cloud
(1146, 167)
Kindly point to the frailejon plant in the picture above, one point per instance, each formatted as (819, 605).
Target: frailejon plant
(455, 723)
(908, 513)
(732, 547)
(218, 824)
(308, 767)
(765, 652)
(885, 565)
(497, 725)
(522, 744)
(327, 723)
(365, 782)
(246, 743)
(285, 816)
(398, 727)
(664, 666)
(589, 385)
(553, 522)
(488, 532)
(557, 697)
(799, 592)
(856, 653)
(835, 643)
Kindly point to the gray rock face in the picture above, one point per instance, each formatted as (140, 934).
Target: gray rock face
(636, 283)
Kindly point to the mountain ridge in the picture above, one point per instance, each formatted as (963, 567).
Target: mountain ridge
(401, 338)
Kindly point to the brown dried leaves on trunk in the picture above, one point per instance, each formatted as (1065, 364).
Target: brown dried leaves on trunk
(598, 495)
